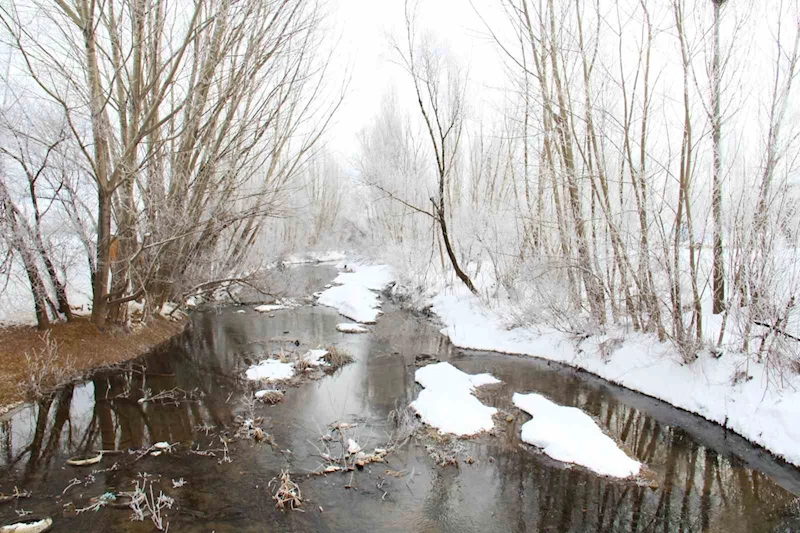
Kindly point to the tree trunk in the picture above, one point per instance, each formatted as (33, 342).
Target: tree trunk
(716, 195)
(100, 285)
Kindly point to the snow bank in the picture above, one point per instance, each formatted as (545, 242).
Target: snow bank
(351, 328)
(270, 370)
(447, 402)
(569, 435)
(353, 297)
(751, 408)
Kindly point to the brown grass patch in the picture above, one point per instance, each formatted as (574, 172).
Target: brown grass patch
(81, 347)
(337, 357)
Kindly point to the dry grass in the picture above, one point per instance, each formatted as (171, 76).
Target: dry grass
(270, 396)
(288, 493)
(81, 347)
(337, 357)
(302, 365)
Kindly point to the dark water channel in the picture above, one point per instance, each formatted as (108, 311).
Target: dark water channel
(704, 479)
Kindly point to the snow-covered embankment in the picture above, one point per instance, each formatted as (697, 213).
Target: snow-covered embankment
(751, 406)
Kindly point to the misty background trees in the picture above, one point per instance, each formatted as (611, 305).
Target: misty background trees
(634, 170)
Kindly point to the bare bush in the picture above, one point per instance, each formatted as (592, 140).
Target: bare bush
(145, 504)
(288, 493)
(46, 369)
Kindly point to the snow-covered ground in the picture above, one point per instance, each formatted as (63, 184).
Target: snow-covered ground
(569, 435)
(447, 402)
(353, 294)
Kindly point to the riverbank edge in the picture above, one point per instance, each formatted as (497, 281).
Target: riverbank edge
(740, 409)
(127, 346)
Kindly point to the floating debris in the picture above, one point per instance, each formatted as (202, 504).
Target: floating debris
(85, 460)
(16, 495)
(28, 525)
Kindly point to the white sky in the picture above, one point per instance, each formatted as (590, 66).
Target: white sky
(363, 26)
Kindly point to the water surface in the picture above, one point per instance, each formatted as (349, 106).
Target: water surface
(700, 478)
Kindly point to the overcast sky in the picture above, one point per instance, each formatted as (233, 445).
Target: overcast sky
(363, 25)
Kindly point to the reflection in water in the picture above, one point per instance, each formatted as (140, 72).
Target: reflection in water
(701, 478)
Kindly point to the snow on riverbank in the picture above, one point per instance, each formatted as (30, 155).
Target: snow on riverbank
(569, 435)
(761, 414)
(447, 403)
(353, 295)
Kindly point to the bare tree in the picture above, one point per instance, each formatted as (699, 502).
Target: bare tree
(190, 122)
(716, 194)
(440, 87)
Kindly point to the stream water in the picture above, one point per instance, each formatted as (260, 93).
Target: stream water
(700, 478)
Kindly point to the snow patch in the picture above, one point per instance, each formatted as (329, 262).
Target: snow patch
(569, 435)
(352, 301)
(447, 402)
(270, 370)
(268, 308)
(351, 328)
(353, 297)
(315, 357)
(373, 277)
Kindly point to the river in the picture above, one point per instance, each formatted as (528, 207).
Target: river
(700, 477)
